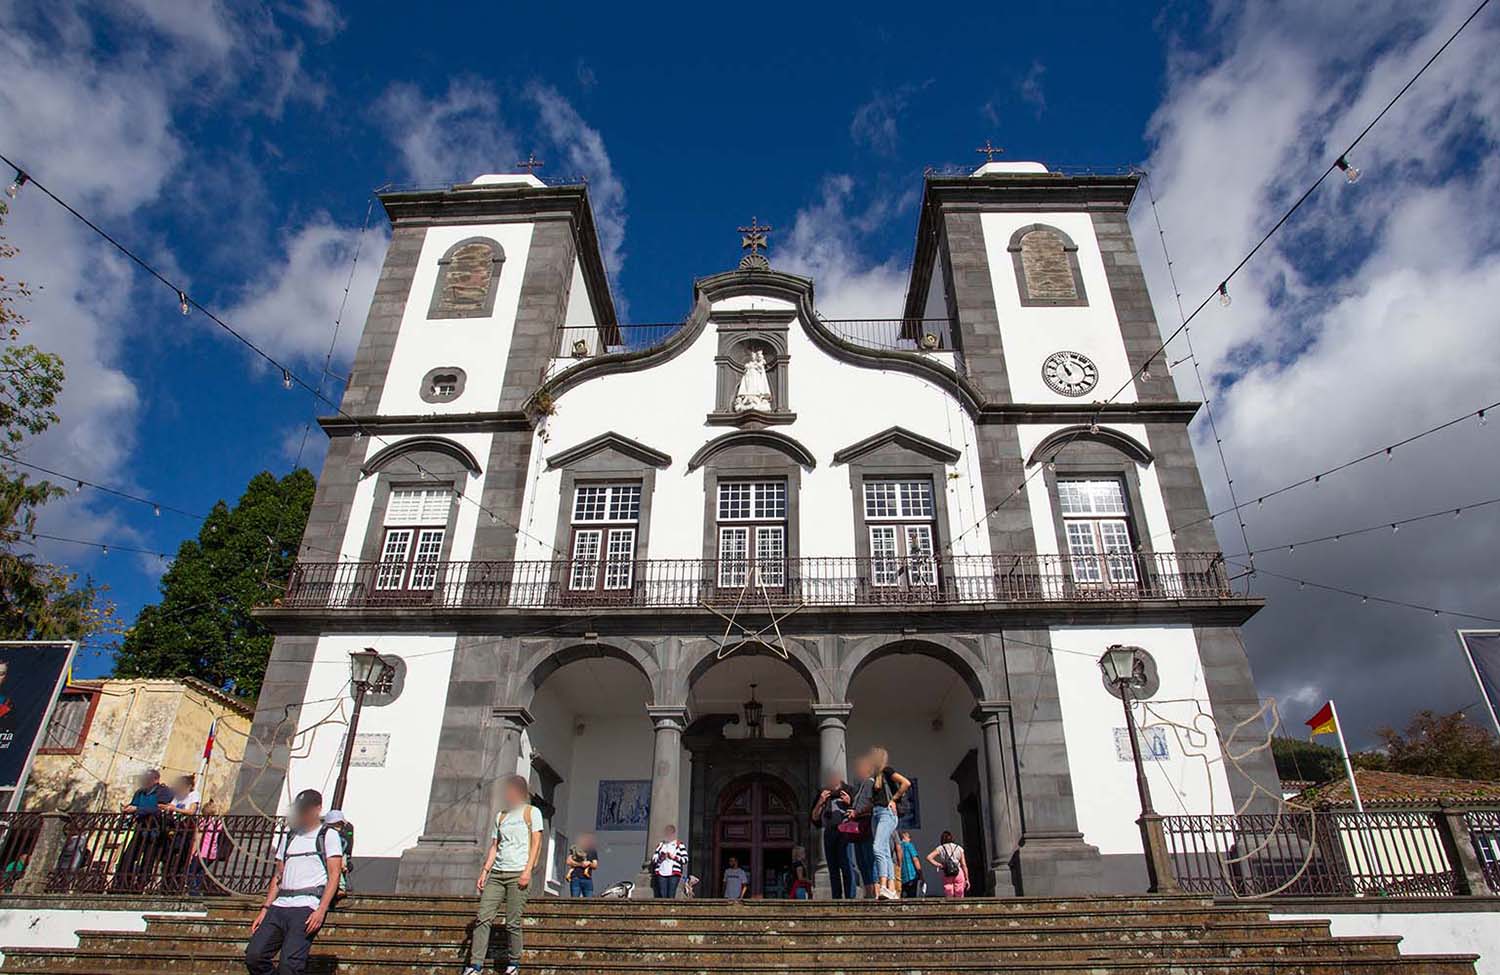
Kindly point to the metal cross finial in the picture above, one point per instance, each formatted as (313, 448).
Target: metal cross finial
(753, 240)
(990, 151)
(531, 164)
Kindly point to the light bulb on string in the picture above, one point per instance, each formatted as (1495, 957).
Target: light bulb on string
(1290, 549)
(1350, 173)
(1301, 585)
(105, 548)
(1483, 420)
(1457, 512)
(1363, 600)
(15, 185)
(286, 379)
(1224, 298)
(1388, 452)
(78, 488)
(182, 303)
(156, 510)
(1395, 528)
(1094, 429)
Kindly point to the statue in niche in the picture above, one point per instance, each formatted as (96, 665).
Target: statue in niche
(754, 392)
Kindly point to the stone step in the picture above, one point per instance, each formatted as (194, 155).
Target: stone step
(822, 951)
(622, 935)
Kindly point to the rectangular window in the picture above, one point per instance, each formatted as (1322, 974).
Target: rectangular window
(752, 501)
(69, 724)
(607, 502)
(1097, 532)
(604, 552)
(585, 558)
(901, 515)
(619, 558)
(911, 499)
(419, 506)
(752, 534)
(734, 556)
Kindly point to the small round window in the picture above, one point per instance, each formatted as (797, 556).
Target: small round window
(442, 385)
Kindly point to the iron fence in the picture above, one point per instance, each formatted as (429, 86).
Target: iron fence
(585, 341)
(1483, 826)
(1398, 853)
(895, 334)
(165, 853)
(911, 583)
(18, 836)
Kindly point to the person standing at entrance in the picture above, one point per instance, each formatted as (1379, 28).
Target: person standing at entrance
(583, 860)
(857, 824)
(911, 866)
(949, 859)
(515, 843)
(829, 813)
(668, 863)
(736, 881)
(308, 863)
(887, 786)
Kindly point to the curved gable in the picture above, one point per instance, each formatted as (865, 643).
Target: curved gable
(609, 441)
(753, 438)
(437, 445)
(1120, 441)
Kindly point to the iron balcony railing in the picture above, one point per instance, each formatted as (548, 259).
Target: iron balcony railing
(1386, 853)
(165, 853)
(685, 583)
(881, 334)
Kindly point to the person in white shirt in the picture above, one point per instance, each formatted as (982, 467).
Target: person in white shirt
(668, 863)
(736, 881)
(515, 843)
(179, 828)
(308, 863)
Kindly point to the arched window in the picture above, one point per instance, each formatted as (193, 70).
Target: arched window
(468, 276)
(1046, 263)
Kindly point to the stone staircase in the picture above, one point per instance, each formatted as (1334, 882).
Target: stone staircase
(369, 935)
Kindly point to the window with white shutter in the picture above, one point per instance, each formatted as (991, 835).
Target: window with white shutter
(1097, 529)
(752, 533)
(605, 521)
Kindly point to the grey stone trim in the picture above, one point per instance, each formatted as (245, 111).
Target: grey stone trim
(748, 418)
(433, 423)
(1102, 461)
(1163, 412)
(377, 342)
(1253, 780)
(763, 439)
(738, 335)
(894, 459)
(487, 308)
(633, 449)
(278, 714)
(513, 203)
(971, 291)
(333, 501)
(1002, 474)
(1133, 309)
(1023, 286)
(504, 494)
(440, 446)
(460, 379)
(446, 474)
(901, 438)
(543, 305)
(1118, 440)
(612, 467)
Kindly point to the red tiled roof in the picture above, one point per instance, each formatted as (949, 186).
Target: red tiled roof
(1396, 788)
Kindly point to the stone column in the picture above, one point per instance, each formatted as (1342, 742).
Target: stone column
(1004, 834)
(833, 756)
(513, 722)
(666, 785)
(44, 854)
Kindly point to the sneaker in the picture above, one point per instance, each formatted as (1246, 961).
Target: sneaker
(512, 970)
(473, 970)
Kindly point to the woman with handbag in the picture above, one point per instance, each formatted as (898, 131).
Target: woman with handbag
(829, 813)
(856, 825)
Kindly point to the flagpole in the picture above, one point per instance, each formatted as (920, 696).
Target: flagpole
(1474, 666)
(1338, 728)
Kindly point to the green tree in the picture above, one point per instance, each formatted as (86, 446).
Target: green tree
(1305, 761)
(37, 600)
(242, 558)
(1442, 744)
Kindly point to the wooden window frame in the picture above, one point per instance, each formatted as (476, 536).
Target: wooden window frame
(93, 694)
(606, 530)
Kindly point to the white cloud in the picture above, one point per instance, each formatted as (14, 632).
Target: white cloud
(1368, 318)
(824, 243)
(451, 138)
(876, 123)
(584, 155)
(1031, 90)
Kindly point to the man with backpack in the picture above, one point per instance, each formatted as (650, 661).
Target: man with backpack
(308, 863)
(515, 843)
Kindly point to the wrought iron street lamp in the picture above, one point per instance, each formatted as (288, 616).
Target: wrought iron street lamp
(754, 716)
(368, 671)
(1124, 669)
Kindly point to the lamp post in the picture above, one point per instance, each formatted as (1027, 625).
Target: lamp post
(367, 670)
(1125, 670)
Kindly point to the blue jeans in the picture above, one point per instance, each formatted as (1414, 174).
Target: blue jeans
(864, 856)
(838, 853)
(883, 823)
(665, 887)
(581, 886)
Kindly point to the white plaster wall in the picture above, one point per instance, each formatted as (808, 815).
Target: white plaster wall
(1436, 932)
(1191, 780)
(580, 308)
(837, 404)
(388, 805)
(26, 927)
(1031, 334)
(481, 346)
(1040, 500)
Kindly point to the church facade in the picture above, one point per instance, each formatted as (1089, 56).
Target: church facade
(675, 575)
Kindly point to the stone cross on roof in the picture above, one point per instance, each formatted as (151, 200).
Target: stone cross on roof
(531, 163)
(990, 151)
(753, 240)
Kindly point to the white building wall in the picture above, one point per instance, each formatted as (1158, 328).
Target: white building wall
(413, 721)
(1421, 931)
(30, 927)
(1191, 780)
(837, 404)
(481, 346)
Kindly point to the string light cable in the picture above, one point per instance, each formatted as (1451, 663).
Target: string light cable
(289, 378)
(1221, 292)
(1391, 526)
(1368, 597)
(79, 483)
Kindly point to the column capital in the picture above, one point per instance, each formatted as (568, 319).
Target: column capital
(518, 718)
(673, 716)
(832, 715)
(994, 710)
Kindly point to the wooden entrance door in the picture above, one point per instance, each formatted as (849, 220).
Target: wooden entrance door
(757, 824)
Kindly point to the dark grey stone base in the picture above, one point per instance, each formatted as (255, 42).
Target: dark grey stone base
(1060, 866)
(374, 875)
(436, 866)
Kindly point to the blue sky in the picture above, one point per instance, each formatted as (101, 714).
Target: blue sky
(237, 146)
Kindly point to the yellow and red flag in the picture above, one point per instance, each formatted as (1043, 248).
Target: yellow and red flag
(1324, 722)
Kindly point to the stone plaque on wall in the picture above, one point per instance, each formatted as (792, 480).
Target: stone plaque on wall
(624, 805)
(369, 751)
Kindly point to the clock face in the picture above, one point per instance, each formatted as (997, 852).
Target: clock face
(1070, 373)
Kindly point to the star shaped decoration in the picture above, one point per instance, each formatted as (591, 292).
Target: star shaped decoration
(737, 634)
